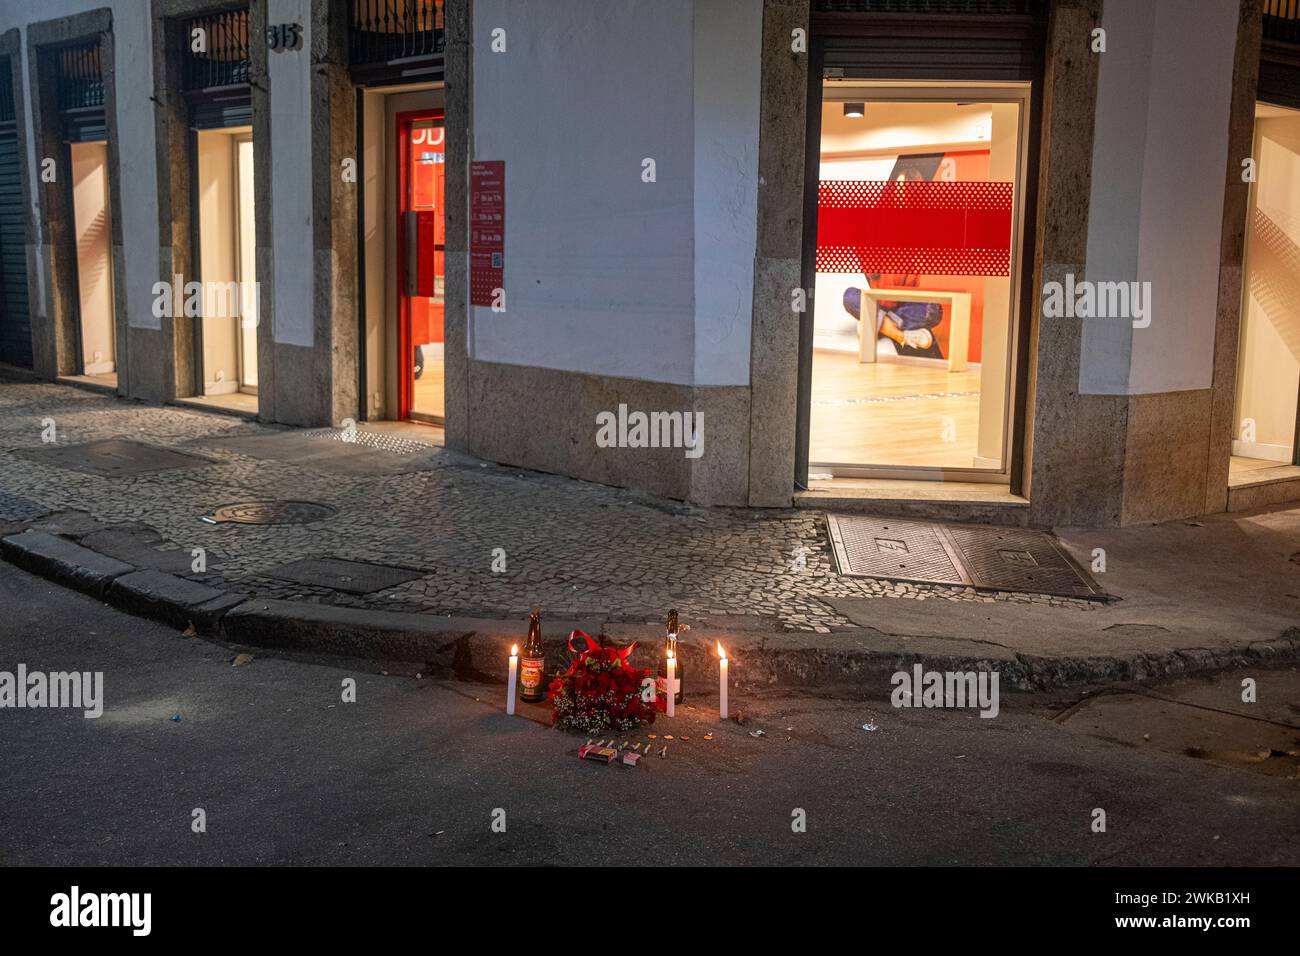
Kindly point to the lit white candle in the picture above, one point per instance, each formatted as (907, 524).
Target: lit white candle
(670, 684)
(514, 675)
(722, 681)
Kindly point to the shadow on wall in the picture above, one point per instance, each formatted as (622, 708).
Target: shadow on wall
(1275, 278)
(94, 267)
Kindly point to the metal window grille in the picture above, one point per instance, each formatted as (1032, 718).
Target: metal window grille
(1282, 20)
(932, 7)
(80, 76)
(6, 91)
(224, 59)
(387, 30)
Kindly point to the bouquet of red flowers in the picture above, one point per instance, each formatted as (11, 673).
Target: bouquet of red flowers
(600, 691)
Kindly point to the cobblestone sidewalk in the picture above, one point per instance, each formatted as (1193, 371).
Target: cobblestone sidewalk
(577, 549)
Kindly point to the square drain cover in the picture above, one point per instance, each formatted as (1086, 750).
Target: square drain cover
(1001, 559)
(112, 457)
(1017, 559)
(354, 577)
(897, 550)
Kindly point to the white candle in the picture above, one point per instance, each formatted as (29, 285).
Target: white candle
(722, 682)
(670, 684)
(514, 674)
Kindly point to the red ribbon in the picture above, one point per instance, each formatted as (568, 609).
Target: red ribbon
(593, 646)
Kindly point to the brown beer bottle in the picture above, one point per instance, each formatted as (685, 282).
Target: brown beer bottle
(532, 662)
(670, 644)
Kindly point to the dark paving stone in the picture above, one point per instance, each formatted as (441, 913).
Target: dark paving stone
(319, 454)
(112, 458)
(18, 508)
(140, 547)
(354, 577)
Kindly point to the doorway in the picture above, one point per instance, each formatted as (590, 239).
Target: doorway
(917, 295)
(1267, 443)
(421, 263)
(93, 231)
(403, 241)
(226, 344)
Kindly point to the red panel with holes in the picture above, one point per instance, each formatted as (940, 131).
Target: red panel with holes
(939, 228)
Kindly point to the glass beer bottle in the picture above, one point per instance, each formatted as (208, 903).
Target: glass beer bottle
(679, 675)
(532, 662)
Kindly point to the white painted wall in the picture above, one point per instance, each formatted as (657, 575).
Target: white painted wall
(289, 75)
(133, 53)
(606, 273)
(727, 64)
(1156, 203)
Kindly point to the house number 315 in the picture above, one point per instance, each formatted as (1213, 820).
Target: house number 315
(284, 37)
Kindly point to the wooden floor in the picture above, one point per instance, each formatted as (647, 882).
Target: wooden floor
(428, 397)
(890, 414)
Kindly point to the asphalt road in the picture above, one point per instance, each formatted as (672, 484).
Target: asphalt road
(412, 772)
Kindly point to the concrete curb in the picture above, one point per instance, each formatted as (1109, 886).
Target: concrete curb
(477, 647)
(59, 559)
(171, 600)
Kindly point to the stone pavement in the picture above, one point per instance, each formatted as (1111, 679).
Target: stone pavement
(576, 548)
(590, 553)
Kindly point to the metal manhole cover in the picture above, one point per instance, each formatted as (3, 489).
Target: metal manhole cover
(894, 549)
(1017, 559)
(271, 512)
(1001, 559)
(113, 457)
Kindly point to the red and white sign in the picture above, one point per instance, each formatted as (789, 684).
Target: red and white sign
(487, 231)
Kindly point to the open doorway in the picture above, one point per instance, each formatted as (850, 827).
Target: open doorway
(93, 230)
(421, 265)
(226, 345)
(918, 257)
(404, 248)
(1267, 444)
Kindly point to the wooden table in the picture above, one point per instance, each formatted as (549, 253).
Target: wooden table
(958, 321)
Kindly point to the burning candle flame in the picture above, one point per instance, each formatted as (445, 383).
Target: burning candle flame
(670, 655)
(514, 650)
(722, 651)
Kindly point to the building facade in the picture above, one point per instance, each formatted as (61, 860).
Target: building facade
(1015, 261)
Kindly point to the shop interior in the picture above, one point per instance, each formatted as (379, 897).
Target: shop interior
(404, 174)
(227, 267)
(92, 222)
(913, 306)
(1268, 375)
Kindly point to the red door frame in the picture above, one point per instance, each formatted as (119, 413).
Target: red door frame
(405, 347)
